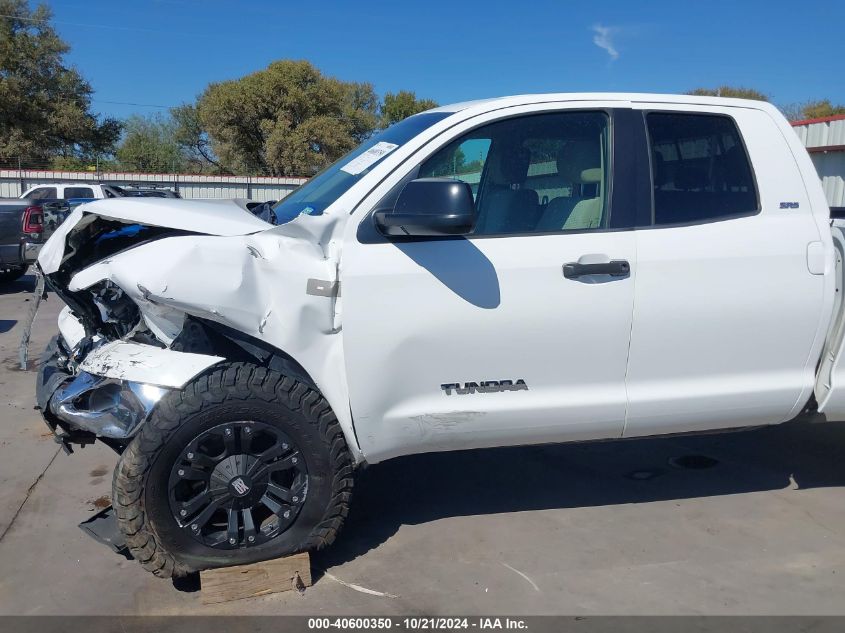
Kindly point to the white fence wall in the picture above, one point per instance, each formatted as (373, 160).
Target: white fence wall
(14, 182)
(825, 140)
(831, 168)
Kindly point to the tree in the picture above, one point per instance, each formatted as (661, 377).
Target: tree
(286, 120)
(44, 104)
(402, 105)
(819, 109)
(190, 135)
(150, 145)
(737, 92)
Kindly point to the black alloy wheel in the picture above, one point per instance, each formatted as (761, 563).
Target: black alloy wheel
(238, 484)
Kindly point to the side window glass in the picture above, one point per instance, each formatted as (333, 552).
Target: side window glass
(700, 170)
(43, 193)
(540, 173)
(462, 160)
(79, 192)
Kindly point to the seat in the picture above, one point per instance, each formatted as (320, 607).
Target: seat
(586, 214)
(508, 207)
(577, 166)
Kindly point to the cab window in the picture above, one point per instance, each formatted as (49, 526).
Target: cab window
(462, 160)
(79, 192)
(43, 193)
(700, 170)
(541, 173)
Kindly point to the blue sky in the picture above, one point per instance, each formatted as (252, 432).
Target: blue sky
(164, 52)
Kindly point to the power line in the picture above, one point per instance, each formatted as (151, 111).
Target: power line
(96, 26)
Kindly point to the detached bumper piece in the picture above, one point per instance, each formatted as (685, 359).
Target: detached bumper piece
(102, 527)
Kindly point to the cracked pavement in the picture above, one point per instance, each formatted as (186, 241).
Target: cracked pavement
(589, 529)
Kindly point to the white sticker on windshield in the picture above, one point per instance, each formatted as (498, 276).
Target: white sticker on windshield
(368, 158)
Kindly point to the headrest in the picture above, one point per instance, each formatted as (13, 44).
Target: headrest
(591, 175)
(514, 165)
(576, 158)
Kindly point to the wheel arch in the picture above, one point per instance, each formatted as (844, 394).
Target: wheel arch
(204, 336)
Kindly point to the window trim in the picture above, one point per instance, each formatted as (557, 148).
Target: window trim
(367, 233)
(649, 153)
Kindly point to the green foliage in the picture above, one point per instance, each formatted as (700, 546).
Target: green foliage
(150, 145)
(286, 120)
(44, 104)
(736, 92)
(192, 138)
(449, 161)
(820, 109)
(402, 105)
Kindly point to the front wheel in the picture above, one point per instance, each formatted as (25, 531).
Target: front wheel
(243, 465)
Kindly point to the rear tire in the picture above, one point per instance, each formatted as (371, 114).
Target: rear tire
(240, 413)
(11, 274)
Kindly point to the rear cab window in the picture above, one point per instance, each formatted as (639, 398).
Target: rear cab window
(79, 192)
(700, 169)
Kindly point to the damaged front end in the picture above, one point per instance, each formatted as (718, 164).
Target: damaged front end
(112, 361)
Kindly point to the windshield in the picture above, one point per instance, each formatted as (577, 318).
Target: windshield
(314, 196)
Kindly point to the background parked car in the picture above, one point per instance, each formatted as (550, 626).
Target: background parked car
(21, 236)
(150, 192)
(68, 191)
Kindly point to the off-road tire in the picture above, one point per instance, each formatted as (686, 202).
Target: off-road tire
(9, 275)
(236, 391)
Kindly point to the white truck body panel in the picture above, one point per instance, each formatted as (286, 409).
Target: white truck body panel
(208, 217)
(830, 382)
(719, 324)
(146, 364)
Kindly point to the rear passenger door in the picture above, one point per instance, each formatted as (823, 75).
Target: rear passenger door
(726, 305)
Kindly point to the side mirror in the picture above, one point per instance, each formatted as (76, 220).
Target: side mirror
(429, 207)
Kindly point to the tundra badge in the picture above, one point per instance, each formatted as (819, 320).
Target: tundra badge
(485, 386)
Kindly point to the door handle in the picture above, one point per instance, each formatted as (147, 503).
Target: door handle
(614, 268)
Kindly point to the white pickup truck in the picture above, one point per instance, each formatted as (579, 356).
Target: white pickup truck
(72, 191)
(531, 269)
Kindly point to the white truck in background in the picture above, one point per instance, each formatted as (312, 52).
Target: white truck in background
(72, 191)
(531, 269)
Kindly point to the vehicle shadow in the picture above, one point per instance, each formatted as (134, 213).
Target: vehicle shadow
(423, 488)
(24, 284)
(460, 266)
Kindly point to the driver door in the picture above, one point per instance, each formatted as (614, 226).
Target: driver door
(482, 340)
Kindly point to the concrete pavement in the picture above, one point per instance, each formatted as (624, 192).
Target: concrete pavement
(604, 528)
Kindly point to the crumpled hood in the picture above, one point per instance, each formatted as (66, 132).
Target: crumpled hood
(208, 217)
